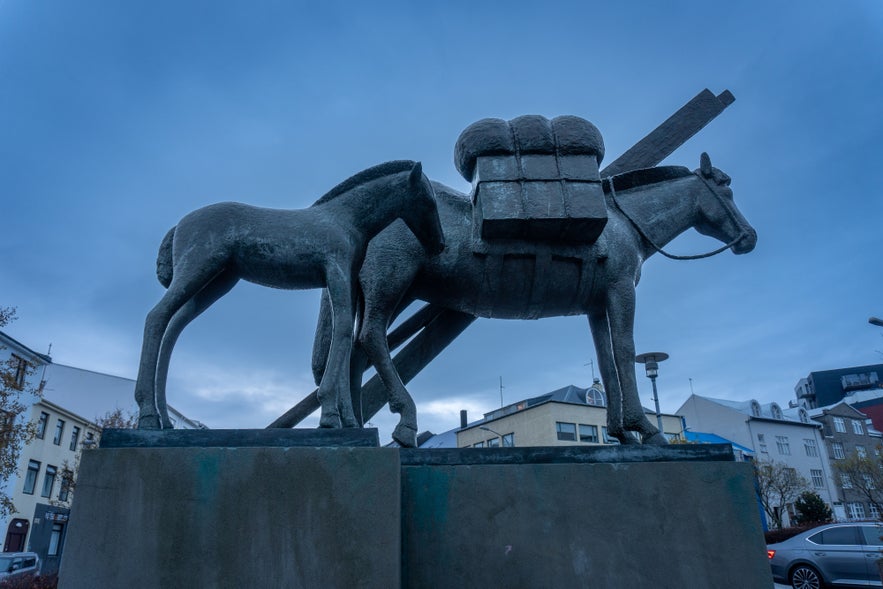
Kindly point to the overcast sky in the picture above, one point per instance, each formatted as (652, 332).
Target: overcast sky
(118, 118)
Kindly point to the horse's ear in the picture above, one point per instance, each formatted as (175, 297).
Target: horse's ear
(705, 165)
(416, 174)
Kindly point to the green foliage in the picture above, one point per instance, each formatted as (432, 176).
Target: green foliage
(812, 509)
(15, 376)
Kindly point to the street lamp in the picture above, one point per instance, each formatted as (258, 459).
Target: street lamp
(875, 321)
(651, 361)
(487, 429)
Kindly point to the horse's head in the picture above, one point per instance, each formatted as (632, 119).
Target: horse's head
(719, 216)
(421, 212)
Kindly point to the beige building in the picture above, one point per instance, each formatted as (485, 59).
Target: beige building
(47, 467)
(565, 417)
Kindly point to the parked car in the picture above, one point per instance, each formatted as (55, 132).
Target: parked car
(18, 564)
(829, 555)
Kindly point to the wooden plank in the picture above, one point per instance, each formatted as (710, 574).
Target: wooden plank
(662, 141)
(439, 328)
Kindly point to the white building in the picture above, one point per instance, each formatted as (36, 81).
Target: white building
(72, 400)
(788, 436)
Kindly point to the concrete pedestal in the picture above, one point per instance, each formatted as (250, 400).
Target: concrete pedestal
(235, 517)
(377, 517)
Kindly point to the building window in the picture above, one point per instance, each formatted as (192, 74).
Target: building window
(875, 511)
(19, 371)
(478, 445)
(839, 425)
(783, 445)
(860, 450)
(59, 431)
(55, 539)
(48, 481)
(857, 427)
(493, 443)
(509, 440)
(31, 477)
(595, 397)
(762, 448)
(845, 481)
(566, 431)
(818, 480)
(588, 433)
(67, 479)
(810, 447)
(41, 424)
(755, 408)
(75, 437)
(838, 450)
(856, 510)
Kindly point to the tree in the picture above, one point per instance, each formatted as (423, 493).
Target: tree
(862, 476)
(812, 509)
(117, 419)
(777, 486)
(15, 392)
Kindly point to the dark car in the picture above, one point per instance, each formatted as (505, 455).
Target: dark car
(830, 555)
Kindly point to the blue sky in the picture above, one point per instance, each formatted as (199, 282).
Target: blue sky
(116, 119)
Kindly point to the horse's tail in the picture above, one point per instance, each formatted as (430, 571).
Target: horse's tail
(322, 341)
(164, 268)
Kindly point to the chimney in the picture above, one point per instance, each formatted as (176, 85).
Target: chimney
(463, 420)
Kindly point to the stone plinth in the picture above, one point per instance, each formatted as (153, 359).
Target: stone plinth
(235, 517)
(341, 517)
(580, 519)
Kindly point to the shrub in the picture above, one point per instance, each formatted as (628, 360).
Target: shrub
(31, 582)
(782, 534)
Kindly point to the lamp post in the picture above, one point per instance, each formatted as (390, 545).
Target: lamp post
(651, 361)
(875, 321)
(487, 429)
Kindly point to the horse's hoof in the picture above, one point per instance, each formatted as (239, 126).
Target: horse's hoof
(656, 439)
(628, 440)
(329, 421)
(148, 422)
(405, 436)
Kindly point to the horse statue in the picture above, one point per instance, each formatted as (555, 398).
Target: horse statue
(646, 209)
(322, 246)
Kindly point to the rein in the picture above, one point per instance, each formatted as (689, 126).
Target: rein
(646, 238)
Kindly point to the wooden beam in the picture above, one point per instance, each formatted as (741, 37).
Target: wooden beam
(662, 141)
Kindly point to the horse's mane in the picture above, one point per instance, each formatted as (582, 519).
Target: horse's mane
(636, 178)
(372, 173)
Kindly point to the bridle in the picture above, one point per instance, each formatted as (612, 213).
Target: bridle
(742, 231)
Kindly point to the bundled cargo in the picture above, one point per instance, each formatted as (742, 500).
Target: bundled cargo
(534, 179)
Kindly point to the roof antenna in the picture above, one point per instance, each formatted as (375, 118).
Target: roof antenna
(592, 364)
(501, 391)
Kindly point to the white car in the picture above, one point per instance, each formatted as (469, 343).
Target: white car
(18, 564)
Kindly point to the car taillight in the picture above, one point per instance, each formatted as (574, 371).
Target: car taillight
(770, 553)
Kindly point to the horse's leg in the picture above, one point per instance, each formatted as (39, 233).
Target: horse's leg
(373, 338)
(184, 286)
(334, 390)
(621, 313)
(606, 364)
(202, 300)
